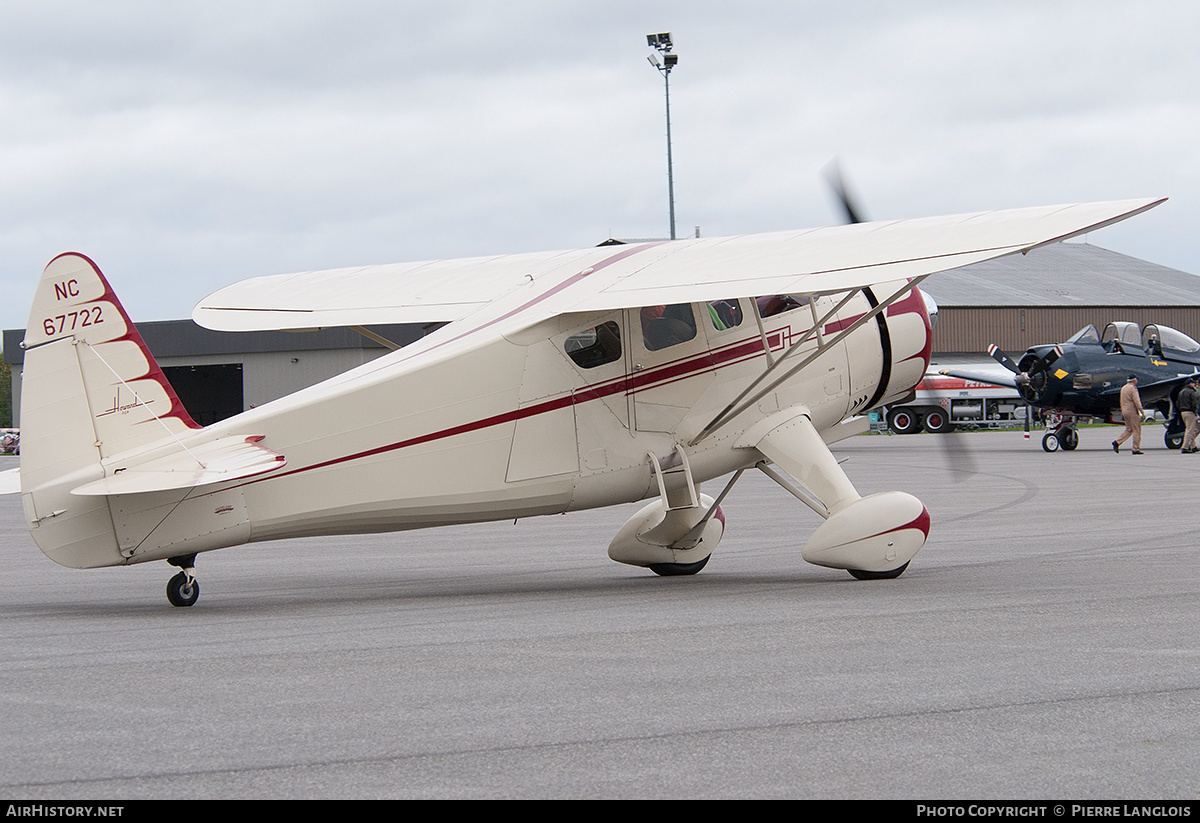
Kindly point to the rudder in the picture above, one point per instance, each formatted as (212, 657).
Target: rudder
(90, 390)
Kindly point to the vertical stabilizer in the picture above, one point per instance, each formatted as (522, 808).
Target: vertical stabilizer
(89, 389)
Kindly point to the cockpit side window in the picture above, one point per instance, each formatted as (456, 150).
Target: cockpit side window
(595, 346)
(1129, 334)
(665, 326)
(1169, 338)
(773, 304)
(725, 314)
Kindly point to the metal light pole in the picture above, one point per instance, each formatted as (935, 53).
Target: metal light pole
(664, 61)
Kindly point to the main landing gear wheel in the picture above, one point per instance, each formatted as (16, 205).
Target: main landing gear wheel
(678, 569)
(1067, 439)
(859, 574)
(1173, 439)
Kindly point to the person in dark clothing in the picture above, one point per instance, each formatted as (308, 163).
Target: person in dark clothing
(1189, 408)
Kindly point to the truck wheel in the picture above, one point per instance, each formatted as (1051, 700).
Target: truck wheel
(936, 421)
(903, 420)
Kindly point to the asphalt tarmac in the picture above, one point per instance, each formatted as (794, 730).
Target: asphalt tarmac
(1045, 644)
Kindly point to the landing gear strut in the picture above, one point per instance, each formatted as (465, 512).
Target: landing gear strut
(873, 537)
(183, 589)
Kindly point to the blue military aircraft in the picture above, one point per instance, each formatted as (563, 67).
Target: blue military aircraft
(1081, 379)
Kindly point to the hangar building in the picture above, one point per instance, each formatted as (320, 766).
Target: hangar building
(1015, 302)
(219, 374)
(1020, 301)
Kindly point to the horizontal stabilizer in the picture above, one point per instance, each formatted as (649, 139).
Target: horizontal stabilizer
(229, 458)
(992, 378)
(10, 481)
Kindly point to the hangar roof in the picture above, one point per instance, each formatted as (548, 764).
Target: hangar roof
(1065, 274)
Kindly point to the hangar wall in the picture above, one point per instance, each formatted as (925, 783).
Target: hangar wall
(971, 329)
(265, 365)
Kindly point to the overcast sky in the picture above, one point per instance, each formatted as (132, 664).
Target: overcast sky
(187, 145)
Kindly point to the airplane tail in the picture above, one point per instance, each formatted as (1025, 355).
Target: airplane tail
(90, 389)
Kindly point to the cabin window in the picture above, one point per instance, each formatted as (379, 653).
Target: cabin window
(725, 314)
(595, 346)
(776, 304)
(665, 326)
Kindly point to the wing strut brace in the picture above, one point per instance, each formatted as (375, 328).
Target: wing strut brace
(370, 335)
(747, 400)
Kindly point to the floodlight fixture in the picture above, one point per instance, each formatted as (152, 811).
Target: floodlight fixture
(661, 41)
(662, 45)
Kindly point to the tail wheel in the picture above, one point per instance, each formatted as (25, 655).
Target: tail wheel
(183, 589)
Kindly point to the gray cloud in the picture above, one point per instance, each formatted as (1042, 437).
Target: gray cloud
(187, 145)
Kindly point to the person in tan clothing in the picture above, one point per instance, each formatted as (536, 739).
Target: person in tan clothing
(1131, 410)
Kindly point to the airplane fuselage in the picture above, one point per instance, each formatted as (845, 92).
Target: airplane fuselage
(555, 385)
(517, 427)
(1086, 377)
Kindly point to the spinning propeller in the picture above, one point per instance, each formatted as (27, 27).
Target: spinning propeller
(833, 174)
(958, 455)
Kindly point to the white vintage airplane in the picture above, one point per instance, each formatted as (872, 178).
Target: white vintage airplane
(561, 381)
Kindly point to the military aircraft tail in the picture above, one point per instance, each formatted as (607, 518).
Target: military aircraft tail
(90, 390)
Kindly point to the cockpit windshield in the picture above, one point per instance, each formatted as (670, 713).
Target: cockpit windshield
(1168, 338)
(1087, 334)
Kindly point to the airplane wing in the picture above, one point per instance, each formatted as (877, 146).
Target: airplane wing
(424, 292)
(812, 262)
(992, 378)
(10, 481)
(1155, 389)
(228, 458)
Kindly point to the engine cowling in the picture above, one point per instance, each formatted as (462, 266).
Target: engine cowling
(648, 537)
